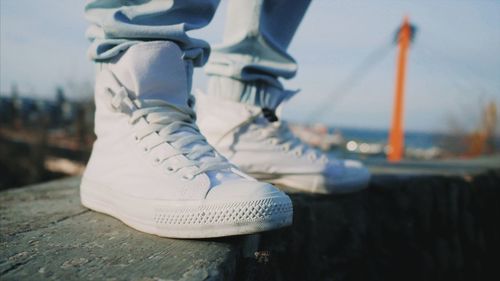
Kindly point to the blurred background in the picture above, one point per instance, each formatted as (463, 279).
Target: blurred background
(347, 55)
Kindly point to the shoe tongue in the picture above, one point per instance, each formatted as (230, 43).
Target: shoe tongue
(263, 122)
(154, 70)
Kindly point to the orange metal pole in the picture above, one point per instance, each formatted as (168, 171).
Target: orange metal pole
(396, 135)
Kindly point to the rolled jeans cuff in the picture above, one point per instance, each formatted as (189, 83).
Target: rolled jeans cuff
(257, 93)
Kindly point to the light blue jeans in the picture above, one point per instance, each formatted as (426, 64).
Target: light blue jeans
(246, 67)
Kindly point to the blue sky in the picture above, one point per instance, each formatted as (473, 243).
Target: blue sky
(454, 64)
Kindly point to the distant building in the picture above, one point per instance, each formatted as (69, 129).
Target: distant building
(28, 112)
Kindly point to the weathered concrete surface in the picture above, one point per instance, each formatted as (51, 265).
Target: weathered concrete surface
(47, 235)
(401, 228)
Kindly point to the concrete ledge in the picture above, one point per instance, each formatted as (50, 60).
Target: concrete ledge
(48, 235)
(402, 228)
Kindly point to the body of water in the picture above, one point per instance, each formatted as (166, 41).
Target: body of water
(412, 139)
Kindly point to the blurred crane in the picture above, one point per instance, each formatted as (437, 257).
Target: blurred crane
(396, 135)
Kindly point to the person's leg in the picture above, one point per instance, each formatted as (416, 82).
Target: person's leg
(150, 166)
(253, 56)
(117, 25)
(244, 80)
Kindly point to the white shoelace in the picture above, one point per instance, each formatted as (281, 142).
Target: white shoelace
(278, 133)
(174, 125)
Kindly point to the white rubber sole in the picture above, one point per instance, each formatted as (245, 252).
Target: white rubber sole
(189, 219)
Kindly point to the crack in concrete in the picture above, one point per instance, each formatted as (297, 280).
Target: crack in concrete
(50, 223)
(70, 216)
(14, 266)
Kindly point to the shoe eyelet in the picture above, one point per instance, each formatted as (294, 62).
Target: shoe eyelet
(284, 148)
(145, 149)
(170, 169)
(136, 138)
(297, 153)
(156, 161)
(187, 177)
(273, 141)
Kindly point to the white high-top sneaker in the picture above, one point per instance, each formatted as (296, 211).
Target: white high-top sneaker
(265, 148)
(151, 168)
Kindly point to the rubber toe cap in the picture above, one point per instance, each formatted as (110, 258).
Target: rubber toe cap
(244, 189)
